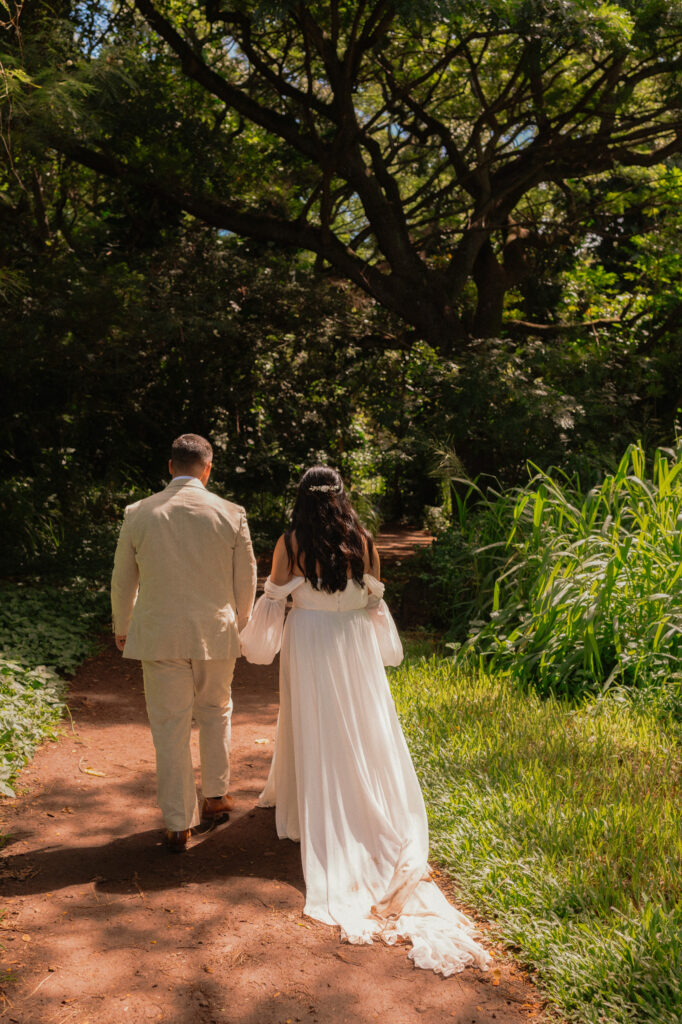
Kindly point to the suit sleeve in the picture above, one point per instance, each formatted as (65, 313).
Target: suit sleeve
(125, 580)
(244, 573)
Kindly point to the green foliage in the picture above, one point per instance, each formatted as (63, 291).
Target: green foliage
(49, 625)
(61, 527)
(561, 824)
(461, 565)
(565, 590)
(44, 631)
(31, 705)
(588, 592)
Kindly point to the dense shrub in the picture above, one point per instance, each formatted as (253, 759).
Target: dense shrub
(459, 569)
(590, 596)
(61, 531)
(572, 591)
(45, 631)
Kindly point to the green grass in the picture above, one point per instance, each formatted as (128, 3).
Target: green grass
(45, 632)
(561, 824)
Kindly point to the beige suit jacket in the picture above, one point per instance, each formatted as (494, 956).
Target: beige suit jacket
(189, 553)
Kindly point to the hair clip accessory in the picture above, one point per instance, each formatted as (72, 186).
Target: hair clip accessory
(327, 488)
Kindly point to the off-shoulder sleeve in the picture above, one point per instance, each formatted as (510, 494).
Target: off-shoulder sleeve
(261, 638)
(384, 627)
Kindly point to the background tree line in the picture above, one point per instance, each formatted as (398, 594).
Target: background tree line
(362, 232)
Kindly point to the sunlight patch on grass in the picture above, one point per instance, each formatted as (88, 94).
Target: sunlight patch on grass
(562, 825)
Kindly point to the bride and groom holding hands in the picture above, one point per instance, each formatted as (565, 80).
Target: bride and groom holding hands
(341, 779)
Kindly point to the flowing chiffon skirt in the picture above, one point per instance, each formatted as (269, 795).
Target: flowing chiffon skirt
(343, 784)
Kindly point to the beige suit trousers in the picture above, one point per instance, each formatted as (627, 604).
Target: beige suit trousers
(177, 690)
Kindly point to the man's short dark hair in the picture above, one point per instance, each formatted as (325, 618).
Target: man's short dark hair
(190, 451)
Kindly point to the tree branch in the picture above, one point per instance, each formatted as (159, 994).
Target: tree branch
(607, 321)
(194, 67)
(385, 288)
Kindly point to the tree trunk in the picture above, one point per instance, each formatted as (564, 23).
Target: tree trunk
(491, 285)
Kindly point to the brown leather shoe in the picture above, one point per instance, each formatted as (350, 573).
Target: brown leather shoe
(176, 842)
(215, 807)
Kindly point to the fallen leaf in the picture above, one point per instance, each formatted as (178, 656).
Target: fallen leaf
(495, 978)
(89, 771)
(26, 938)
(19, 873)
(263, 741)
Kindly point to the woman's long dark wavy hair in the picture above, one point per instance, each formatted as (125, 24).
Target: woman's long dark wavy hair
(328, 532)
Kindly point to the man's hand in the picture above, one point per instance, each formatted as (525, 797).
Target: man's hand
(120, 642)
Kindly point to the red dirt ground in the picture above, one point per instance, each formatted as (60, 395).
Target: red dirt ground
(101, 925)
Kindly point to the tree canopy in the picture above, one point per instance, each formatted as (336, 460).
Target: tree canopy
(430, 153)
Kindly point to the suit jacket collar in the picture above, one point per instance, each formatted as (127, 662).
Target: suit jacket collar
(193, 482)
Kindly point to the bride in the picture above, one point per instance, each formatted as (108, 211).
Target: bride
(341, 778)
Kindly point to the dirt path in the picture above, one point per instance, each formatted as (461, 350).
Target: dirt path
(396, 544)
(103, 926)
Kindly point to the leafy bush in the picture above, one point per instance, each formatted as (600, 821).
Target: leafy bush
(61, 529)
(588, 593)
(31, 704)
(460, 567)
(47, 625)
(44, 630)
(570, 592)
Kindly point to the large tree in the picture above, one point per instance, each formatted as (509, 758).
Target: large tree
(415, 148)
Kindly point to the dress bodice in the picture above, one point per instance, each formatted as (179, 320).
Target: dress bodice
(262, 636)
(352, 597)
(304, 595)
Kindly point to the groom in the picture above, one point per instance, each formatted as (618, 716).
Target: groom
(183, 584)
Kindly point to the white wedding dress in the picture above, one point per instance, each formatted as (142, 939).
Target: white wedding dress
(342, 779)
